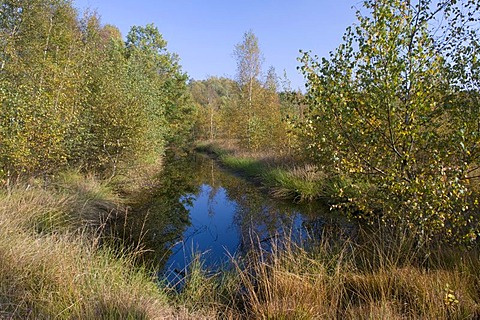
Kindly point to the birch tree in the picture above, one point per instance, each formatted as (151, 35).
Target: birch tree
(394, 113)
(249, 63)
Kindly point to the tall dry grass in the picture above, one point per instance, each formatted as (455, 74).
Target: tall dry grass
(375, 276)
(52, 265)
(384, 273)
(379, 277)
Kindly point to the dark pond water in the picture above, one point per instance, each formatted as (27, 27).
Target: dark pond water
(199, 208)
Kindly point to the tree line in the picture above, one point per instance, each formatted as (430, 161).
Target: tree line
(250, 109)
(74, 93)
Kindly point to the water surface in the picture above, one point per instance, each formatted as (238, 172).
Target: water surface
(198, 208)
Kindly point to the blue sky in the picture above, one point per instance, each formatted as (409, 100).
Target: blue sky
(204, 32)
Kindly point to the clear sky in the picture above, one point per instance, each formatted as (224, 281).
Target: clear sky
(204, 32)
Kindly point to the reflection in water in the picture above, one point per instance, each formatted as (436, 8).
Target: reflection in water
(199, 208)
(212, 231)
(159, 216)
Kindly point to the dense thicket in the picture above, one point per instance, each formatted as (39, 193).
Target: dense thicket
(72, 92)
(394, 113)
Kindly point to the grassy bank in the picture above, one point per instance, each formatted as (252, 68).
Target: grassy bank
(377, 277)
(382, 273)
(54, 263)
(282, 176)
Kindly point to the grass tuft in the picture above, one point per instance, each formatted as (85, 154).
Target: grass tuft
(383, 275)
(246, 166)
(370, 277)
(304, 183)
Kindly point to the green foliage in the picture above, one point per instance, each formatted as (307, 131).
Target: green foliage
(249, 64)
(259, 109)
(159, 87)
(72, 92)
(39, 42)
(249, 109)
(387, 109)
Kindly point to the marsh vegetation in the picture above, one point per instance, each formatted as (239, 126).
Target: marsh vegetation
(358, 198)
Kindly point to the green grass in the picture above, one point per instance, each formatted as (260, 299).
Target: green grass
(246, 166)
(284, 176)
(301, 183)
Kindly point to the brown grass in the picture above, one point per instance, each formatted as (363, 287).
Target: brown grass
(341, 282)
(380, 274)
(51, 264)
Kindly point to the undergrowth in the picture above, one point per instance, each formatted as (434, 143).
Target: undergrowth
(55, 262)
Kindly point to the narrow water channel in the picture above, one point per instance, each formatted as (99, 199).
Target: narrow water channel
(198, 208)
